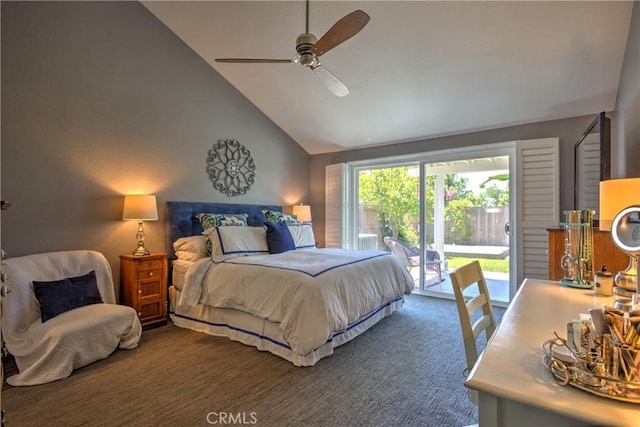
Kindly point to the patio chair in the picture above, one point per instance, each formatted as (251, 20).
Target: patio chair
(410, 257)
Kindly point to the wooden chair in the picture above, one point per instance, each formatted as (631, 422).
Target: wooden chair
(462, 278)
(410, 257)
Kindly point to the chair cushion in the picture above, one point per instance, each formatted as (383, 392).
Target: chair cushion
(58, 296)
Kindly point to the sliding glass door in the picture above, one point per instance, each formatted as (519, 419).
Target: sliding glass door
(437, 216)
(467, 218)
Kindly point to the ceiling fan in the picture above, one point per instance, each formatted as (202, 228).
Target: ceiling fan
(309, 48)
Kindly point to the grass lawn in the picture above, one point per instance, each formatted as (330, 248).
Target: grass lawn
(496, 265)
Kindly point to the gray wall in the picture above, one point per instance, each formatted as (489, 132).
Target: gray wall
(100, 99)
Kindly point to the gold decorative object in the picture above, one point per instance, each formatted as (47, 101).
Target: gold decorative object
(577, 261)
(603, 360)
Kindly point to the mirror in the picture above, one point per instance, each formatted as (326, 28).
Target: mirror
(592, 164)
(625, 230)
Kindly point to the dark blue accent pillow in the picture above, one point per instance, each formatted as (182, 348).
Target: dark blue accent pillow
(279, 238)
(58, 296)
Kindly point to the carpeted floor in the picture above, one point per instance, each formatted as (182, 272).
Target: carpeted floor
(405, 371)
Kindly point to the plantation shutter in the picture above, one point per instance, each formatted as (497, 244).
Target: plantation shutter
(538, 204)
(335, 233)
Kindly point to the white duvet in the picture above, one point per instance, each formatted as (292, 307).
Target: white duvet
(311, 294)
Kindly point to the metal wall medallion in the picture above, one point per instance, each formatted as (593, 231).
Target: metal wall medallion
(230, 167)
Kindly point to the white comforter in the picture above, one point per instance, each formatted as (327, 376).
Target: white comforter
(311, 294)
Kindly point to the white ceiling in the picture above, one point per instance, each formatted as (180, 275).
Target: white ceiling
(419, 69)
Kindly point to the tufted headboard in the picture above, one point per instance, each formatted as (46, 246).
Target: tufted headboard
(182, 221)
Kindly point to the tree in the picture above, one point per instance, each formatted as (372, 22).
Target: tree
(395, 192)
(458, 203)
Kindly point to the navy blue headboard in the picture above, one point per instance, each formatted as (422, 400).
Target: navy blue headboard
(182, 221)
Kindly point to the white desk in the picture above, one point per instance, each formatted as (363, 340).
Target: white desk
(515, 388)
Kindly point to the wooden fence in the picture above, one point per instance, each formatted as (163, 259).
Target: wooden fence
(487, 226)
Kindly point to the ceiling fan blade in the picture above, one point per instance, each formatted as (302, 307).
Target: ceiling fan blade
(347, 27)
(332, 83)
(253, 60)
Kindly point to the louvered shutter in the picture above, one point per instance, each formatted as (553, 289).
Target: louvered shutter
(538, 203)
(335, 205)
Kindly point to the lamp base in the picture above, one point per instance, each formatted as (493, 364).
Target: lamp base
(626, 285)
(140, 251)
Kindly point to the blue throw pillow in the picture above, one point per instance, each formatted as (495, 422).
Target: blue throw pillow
(58, 296)
(279, 238)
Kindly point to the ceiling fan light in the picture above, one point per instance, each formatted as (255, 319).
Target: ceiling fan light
(308, 60)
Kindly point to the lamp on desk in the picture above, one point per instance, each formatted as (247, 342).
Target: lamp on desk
(616, 196)
(140, 208)
(302, 212)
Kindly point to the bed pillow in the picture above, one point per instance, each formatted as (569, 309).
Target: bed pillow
(191, 244)
(274, 216)
(279, 238)
(230, 242)
(190, 256)
(210, 220)
(59, 296)
(303, 237)
(213, 220)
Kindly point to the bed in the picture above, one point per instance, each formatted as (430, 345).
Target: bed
(270, 287)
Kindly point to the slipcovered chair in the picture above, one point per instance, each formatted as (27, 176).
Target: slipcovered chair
(410, 257)
(61, 314)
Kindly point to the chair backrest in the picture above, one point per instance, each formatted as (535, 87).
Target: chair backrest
(406, 254)
(472, 324)
(432, 255)
(21, 309)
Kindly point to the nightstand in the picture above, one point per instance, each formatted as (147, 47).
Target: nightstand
(143, 286)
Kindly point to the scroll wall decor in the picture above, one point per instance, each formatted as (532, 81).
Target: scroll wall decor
(230, 167)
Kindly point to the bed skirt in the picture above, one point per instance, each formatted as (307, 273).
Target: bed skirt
(263, 334)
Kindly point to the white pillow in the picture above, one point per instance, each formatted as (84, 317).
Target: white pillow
(230, 242)
(303, 235)
(190, 256)
(192, 244)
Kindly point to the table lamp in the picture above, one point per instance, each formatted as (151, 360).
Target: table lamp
(302, 212)
(616, 196)
(140, 208)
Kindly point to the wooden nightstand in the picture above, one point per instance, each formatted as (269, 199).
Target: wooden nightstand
(143, 286)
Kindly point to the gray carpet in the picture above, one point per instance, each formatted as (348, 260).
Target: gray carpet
(405, 371)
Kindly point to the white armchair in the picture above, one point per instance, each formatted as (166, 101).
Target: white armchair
(50, 350)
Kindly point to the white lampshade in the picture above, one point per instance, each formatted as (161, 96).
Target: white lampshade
(140, 207)
(616, 195)
(302, 212)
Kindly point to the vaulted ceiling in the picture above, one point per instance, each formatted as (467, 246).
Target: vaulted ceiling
(418, 69)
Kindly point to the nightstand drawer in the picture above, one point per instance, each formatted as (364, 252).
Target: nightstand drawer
(152, 264)
(150, 311)
(148, 288)
(148, 274)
